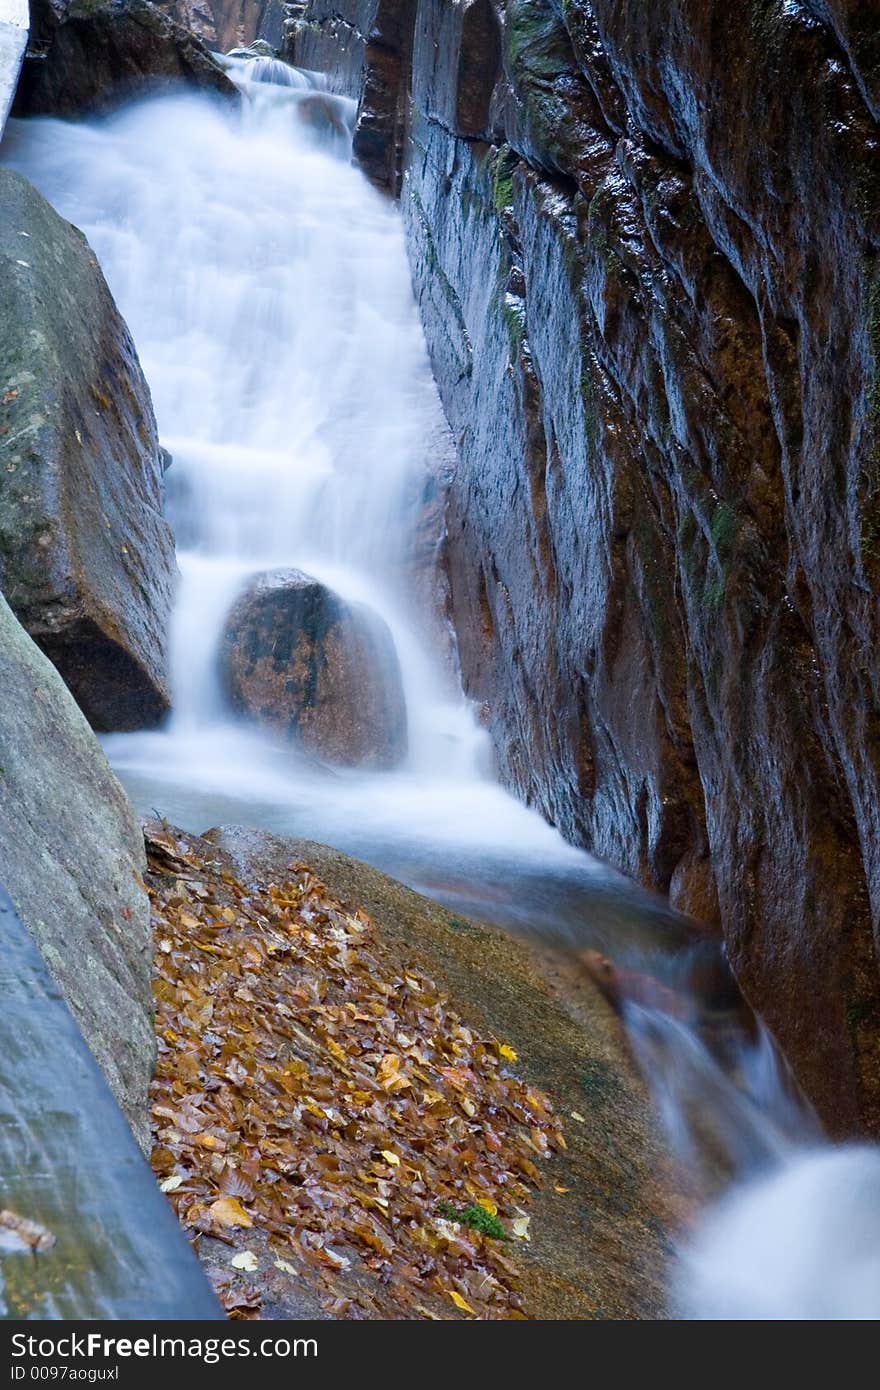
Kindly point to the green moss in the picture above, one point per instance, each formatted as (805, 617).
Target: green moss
(590, 405)
(723, 531)
(437, 274)
(600, 1081)
(532, 35)
(713, 593)
(503, 165)
(476, 1218)
(457, 924)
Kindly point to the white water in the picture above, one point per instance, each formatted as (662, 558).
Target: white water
(267, 290)
(801, 1243)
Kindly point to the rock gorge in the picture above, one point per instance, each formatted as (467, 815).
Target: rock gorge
(644, 242)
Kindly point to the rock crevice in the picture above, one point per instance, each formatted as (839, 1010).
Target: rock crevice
(646, 247)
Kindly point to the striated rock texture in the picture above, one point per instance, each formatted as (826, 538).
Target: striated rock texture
(645, 244)
(71, 859)
(365, 48)
(88, 55)
(86, 559)
(301, 660)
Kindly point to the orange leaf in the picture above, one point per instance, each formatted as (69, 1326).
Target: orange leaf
(228, 1211)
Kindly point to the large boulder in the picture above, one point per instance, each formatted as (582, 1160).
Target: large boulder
(13, 38)
(86, 559)
(71, 860)
(301, 660)
(89, 55)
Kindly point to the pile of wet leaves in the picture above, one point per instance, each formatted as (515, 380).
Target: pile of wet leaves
(320, 1108)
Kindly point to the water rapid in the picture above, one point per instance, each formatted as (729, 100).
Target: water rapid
(267, 290)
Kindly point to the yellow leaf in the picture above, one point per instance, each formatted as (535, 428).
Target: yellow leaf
(557, 1188)
(170, 1184)
(576, 1116)
(520, 1227)
(391, 1158)
(285, 1267)
(247, 1260)
(208, 1141)
(468, 1106)
(459, 1302)
(228, 915)
(228, 1211)
(506, 1052)
(488, 1206)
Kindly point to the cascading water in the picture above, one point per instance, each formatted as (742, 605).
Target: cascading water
(266, 287)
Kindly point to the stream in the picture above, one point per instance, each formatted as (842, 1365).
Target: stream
(267, 289)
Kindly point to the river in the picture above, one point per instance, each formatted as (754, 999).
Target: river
(267, 289)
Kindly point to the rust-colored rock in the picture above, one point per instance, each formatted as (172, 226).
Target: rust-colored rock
(299, 659)
(652, 299)
(223, 24)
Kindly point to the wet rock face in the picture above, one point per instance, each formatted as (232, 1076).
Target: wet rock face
(72, 860)
(87, 55)
(86, 558)
(651, 293)
(365, 47)
(325, 672)
(224, 23)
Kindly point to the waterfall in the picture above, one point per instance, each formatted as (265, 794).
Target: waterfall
(267, 290)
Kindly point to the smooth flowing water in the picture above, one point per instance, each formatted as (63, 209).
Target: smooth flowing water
(267, 289)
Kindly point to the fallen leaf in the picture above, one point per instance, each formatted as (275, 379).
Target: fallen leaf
(506, 1052)
(170, 1184)
(209, 1141)
(277, 1088)
(246, 1260)
(228, 1211)
(459, 1302)
(557, 1188)
(575, 1115)
(520, 1227)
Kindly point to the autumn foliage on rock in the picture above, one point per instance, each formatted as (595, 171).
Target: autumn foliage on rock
(321, 1109)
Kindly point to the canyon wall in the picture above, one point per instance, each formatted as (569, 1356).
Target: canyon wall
(645, 242)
